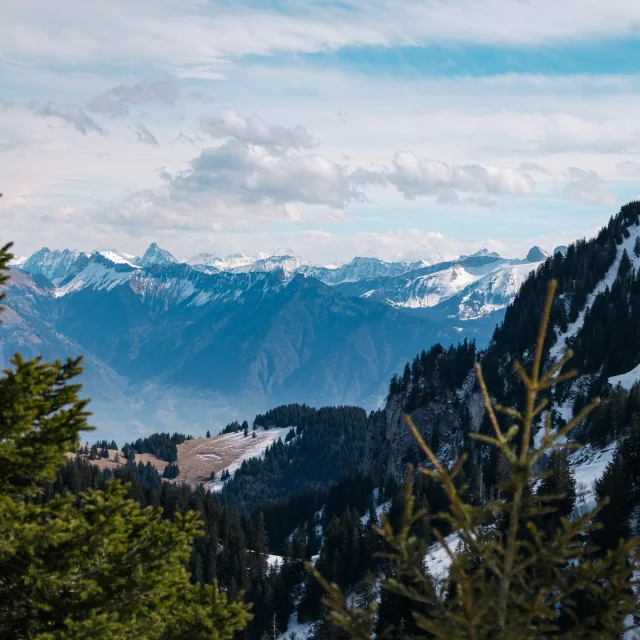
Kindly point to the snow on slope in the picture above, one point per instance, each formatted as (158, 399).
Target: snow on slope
(626, 380)
(560, 346)
(235, 448)
(588, 464)
(99, 274)
(117, 258)
(242, 263)
(95, 275)
(493, 291)
(166, 290)
(432, 289)
(55, 265)
(437, 559)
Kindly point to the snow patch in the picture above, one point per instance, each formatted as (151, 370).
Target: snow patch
(117, 258)
(626, 380)
(254, 448)
(437, 559)
(560, 346)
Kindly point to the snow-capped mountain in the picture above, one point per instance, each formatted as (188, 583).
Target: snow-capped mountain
(291, 330)
(536, 254)
(360, 269)
(55, 265)
(493, 291)
(100, 270)
(154, 255)
(242, 263)
(186, 345)
(431, 289)
(474, 287)
(482, 253)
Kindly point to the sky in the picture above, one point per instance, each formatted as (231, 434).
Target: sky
(395, 129)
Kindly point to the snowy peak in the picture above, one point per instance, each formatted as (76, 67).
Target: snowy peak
(482, 253)
(493, 291)
(536, 254)
(242, 263)
(434, 288)
(114, 257)
(55, 265)
(155, 255)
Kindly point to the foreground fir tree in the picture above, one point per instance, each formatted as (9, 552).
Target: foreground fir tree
(95, 565)
(524, 569)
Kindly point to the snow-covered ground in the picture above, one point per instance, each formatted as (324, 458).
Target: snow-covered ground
(438, 560)
(558, 349)
(382, 508)
(245, 448)
(626, 380)
(588, 464)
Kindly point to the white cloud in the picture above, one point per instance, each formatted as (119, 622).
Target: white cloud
(414, 176)
(253, 130)
(196, 35)
(588, 187)
(266, 164)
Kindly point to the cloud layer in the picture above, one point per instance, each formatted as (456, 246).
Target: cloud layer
(353, 121)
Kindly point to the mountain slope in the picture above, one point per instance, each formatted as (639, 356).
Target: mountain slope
(596, 312)
(180, 349)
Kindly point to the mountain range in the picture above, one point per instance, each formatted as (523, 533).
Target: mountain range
(189, 344)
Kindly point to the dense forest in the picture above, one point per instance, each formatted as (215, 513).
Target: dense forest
(330, 446)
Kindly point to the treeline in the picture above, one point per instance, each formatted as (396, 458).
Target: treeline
(161, 445)
(287, 415)
(331, 446)
(434, 372)
(235, 427)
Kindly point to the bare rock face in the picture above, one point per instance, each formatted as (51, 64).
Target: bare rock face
(390, 445)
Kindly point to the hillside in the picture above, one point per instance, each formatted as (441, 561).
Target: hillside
(596, 313)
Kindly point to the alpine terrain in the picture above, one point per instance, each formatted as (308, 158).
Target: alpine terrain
(182, 345)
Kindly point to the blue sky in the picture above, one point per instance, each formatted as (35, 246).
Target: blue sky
(406, 128)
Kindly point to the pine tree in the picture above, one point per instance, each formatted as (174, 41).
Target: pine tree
(93, 566)
(208, 434)
(509, 581)
(636, 247)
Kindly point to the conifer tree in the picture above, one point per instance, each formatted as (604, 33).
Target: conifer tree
(96, 565)
(510, 581)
